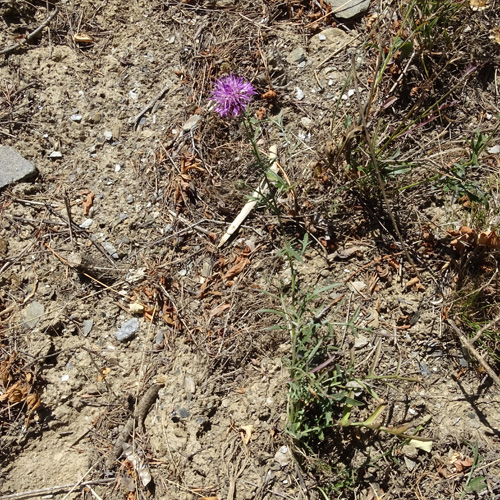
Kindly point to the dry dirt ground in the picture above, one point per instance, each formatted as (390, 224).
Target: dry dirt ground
(128, 210)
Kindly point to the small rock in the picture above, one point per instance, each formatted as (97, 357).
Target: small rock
(55, 155)
(307, 123)
(130, 199)
(159, 337)
(347, 9)
(86, 223)
(110, 249)
(180, 412)
(14, 168)
(331, 40)
(409, 451)
(87, 325)
(191, 123)
(189, 385)
(33, 314)
(108, 135)
(297, 56)
(4, 247)
(360, 341)
(118, 168)
(76, 118)
(410, 464)
(299, 94)
(96, 118)
(127, 330)
(282, 456)
(494, 150)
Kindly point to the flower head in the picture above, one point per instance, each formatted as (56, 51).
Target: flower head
(232, 95)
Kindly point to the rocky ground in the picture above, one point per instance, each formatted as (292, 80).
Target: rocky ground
(134, 353)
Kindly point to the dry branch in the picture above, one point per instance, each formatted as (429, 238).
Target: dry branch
(10, 49)
(256, 195)
(467, 345)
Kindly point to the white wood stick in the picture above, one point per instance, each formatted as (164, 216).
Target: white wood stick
(256, 195)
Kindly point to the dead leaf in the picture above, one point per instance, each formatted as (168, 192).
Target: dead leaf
(82, 38)
(489, 239)
(270, 94)
(261, 113)
(241, 263)
(87, 204)
(464, 463)
(247, 433)
(219, 310)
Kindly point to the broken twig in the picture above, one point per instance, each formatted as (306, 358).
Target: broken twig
(10, 49)
(256, 195)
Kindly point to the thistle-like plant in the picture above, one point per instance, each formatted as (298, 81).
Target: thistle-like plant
(231, 95)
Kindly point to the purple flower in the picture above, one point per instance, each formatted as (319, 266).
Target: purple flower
(232, 95)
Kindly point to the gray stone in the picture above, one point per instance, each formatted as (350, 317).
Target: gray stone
(76, 118)
(299, 94)
(191, 123)
(110, 249)
(347, 9)
(331, 40)
(296, 56)
(127, 330)
(33, 314)
(306, 122)
(55, 155)
(14, 168)
(87, 325)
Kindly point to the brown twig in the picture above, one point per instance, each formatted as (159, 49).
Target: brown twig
(141, 410)
(10, 49)
(134, 120)
(467, 345)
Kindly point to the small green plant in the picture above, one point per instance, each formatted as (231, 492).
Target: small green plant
(474, 484)
(458, 181)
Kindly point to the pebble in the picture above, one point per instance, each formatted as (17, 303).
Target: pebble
(191, 123)
(347, 9)
(87, 325)
(14, 168)
(55, 155)
(296, 56)
(189, 385)
(118, 168)
(306, 122)
(159, 338)
(108, 135)
(110, 249)
(34, 313)
(127, 330)
(76, 118)
(130, 199)
(282, 456)
(493, 150)
(86, 223)
(299, 94)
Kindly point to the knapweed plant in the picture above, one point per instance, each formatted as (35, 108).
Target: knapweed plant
(231, 95)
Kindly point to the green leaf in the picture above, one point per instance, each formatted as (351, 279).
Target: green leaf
(476, 485)
(371, 419)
